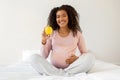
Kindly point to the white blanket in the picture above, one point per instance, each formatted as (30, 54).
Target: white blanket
(24, 71)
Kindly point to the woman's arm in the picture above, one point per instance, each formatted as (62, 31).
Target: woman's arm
(81, 46)
(81, 43)
(46, 45)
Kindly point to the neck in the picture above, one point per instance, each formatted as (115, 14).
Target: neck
(64, 30)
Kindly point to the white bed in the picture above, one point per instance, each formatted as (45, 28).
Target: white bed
(23, 71)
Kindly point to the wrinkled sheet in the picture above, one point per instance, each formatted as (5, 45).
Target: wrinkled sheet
(24, 71)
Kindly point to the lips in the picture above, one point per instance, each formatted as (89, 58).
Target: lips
(62, 23)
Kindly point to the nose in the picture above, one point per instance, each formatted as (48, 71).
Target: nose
(61, 18)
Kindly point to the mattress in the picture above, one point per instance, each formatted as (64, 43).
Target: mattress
(24, 71)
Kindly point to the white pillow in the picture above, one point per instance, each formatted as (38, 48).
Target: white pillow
(27, 53)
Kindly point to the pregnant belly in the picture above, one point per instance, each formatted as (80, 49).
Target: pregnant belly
(59, 60)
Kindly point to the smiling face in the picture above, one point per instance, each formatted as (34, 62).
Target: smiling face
(62, 18)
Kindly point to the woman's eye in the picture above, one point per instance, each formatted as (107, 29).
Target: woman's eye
(57, 16)
(64, 15)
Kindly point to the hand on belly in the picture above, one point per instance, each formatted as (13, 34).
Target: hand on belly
(71, 59)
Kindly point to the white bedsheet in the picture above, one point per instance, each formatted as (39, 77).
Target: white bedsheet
(105, 71)
(19, 71)
(24, 71)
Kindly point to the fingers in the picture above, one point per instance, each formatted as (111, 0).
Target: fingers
(74, 56)
(68, 61)
(71, 59)
(44, 35)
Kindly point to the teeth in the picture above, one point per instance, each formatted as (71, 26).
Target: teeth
(61, 22)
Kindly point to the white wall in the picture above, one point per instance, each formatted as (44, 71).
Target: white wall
(21, 23)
